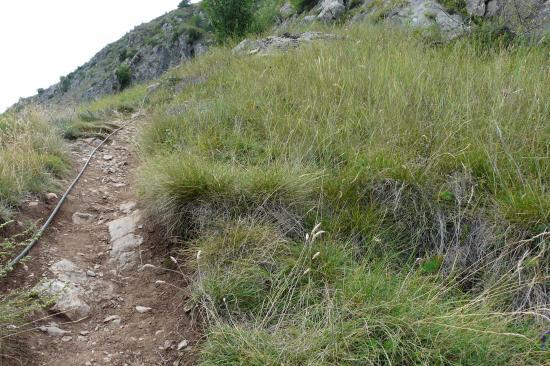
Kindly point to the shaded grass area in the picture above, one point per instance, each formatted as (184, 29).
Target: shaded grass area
(426, 166)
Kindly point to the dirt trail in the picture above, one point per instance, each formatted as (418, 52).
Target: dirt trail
(114, 312)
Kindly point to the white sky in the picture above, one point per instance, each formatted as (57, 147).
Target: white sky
(40, 40)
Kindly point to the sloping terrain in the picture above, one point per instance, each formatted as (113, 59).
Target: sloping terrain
(147, 51)
(360, 194)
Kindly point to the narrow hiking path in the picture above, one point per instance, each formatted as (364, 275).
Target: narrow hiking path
(109, 310)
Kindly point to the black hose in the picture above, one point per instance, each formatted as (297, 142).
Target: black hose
(40, 232)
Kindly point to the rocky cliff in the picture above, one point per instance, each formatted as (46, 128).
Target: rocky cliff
(142, 54)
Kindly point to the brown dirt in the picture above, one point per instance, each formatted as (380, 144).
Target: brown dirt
(140, 339)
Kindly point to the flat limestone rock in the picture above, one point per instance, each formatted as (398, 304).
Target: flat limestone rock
(67, 271)
(125, 252)
(124, 226)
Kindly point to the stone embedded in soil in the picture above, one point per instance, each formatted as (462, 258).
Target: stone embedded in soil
(124, 226)
(82, 218)
(111, 318)
(125, 252)
(125, 245)
(142, 309)
(53, 331)
(107, 157)
(67, 271)
(68, 299)
(127, 207)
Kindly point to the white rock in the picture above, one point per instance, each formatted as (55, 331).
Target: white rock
(91, 273)
(107, 157)
(67, 271)
(66, 339)
(143, 309)
(111, 318)
(182, 344)
(51, 196)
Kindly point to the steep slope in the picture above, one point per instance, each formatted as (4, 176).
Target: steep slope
(142, 54)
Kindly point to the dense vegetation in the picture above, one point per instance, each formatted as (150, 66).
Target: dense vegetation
(416, 164)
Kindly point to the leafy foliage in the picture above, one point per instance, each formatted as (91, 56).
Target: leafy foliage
(124, 76)
(229, 18)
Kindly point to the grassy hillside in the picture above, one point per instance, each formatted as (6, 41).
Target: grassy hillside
(370, 200)
(363, 201)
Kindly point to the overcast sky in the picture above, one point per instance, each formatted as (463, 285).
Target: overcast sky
(40, 40)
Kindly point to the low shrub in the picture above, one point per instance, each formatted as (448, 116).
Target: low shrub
(229, 18)
(124, 76)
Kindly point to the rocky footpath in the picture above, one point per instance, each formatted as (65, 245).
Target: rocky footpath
(110, 302)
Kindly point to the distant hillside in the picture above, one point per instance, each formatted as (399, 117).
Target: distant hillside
(142, 54)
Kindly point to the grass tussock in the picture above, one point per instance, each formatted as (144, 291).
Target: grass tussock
(426, 166)
(32, 158)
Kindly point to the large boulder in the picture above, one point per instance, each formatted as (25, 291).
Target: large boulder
(417, 13)
(331, 10)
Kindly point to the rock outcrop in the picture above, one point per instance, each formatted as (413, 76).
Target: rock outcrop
(278, 43)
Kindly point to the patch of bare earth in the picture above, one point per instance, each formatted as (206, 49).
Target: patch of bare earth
(109, 309)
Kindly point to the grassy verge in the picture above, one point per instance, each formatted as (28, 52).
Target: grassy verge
(426, 166)
(32, 158)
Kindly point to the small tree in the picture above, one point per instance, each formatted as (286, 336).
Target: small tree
(230, 18)
(183, 4)
(124, 76)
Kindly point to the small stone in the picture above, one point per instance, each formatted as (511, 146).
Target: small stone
(51, 196)
(168, 344)
(142, 309)
(67, 339)
(111, 318)
(91, 273)
(182, 344)
(84, 333)
(33, 204)
(107, 157)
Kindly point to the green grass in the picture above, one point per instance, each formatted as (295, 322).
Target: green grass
(32, 158)
(426, 166)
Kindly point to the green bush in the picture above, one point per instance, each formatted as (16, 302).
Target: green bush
(124, 76)
(64, 84)
(230, 18)
(184, 4)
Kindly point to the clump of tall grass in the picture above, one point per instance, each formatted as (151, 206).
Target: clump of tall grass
(185, 193)
(32, 158)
